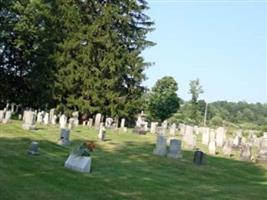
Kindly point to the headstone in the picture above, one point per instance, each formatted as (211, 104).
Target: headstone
(153, 127)
(46, 119)
(199, 157)
(34, 148)
(182, 128)
(161, 146)
(97, 120)
(238, 139)
(40, 117)
(84, 123)
(175, 149)
(108, 122)
(122, 123)
(75, 116)
(164, 124)
(205, 136)
(79, 163)
(227, 148)
(262, 155)
(29, 120)
(141, 125)
(54, 120)
(64, 137)
(189, 138)
(51, 115)
(90, 123)
(212, 147)
(220, 136)
(102, 133)
(2, 115)
(245, 153)
(7, 117)
(63, 121)
(19, 117)
(173, 129)
(71, 123)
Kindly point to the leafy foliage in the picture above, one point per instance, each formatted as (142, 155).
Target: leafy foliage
(163, 100)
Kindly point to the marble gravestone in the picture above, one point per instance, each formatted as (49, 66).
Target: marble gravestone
(108, 122)
(64, 137)
(173, 129)
(97, 120)
(153, 127)
(161, 146)
(220, 136)
(262, 155)
(245, 153)
(79, 163)
(63, 121)
(40, 117)
(212, 147)
(205, 136)
(122, 125)
(71, 123)
(90, 123)
(46, 118)
(102, 133)
(7, 117)
(29, 120)
(227, 147)
(2, 115)
(175, 149)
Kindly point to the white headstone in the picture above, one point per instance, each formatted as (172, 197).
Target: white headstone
(29, 120)
(220, 136)
(46, 119)
(97, 120)
(63, 121)
(79, 163)
(153, 127)
(122, 123)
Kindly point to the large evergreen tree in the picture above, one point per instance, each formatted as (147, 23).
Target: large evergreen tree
(100, 67)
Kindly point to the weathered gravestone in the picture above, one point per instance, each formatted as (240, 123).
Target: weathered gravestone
(262, 155)
(153, 127)
(71, 123)
(245, 153)
(7, 117)
(175, 149)
(220, 136)
(46, 118)
(173, 129)
(64, 138)
(54, 120)
(238, 139)
(97, 120)
(227, 147)
(212, 147)
(141, 125)
(90, 123)
(51, 115)
(108, 122)
(29, 120)
(34, 148)
(2, 115)
(122, 125)
(161, 146)
(40, 117)
(63, 121)
(79, 163)
(189, 137)
(102, 133)
(75, 116)
(205, 136)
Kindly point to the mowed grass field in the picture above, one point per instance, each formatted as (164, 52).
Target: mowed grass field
(123, 167)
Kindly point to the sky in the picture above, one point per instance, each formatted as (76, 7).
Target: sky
(223, 43)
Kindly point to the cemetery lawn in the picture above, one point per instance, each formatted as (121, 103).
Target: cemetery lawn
(123, 167)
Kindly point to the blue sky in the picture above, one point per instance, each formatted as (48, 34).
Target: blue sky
(223, 43)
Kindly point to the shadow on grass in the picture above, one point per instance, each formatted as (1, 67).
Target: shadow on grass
(123, 170)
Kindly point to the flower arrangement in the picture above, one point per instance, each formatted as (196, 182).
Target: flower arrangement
(84, 149)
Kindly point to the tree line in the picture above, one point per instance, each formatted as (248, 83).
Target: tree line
(74, 54)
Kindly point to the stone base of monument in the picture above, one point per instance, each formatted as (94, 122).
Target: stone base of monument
(28, 127)
(63, 142)
(79, 163)
(160, 152)
(262, 159)
(172, 155)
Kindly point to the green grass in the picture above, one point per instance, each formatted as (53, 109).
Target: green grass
(123, 168)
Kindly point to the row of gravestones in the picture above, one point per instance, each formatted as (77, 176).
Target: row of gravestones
(29, 118)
